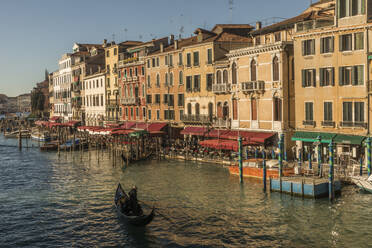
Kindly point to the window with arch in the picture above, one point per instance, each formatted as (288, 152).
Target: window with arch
(233, 73)
(157, 80)
(275, 69)
(180, 77)
(253, 70)
(189, 111)
(210, 110)
(225, 77)
(277, 108)
(218, 77)
(148, 81)
(225, 110)
(219, 110)
(197, 109)
(171, 78)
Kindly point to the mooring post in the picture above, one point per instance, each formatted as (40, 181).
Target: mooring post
(255, 153)
(331, 171)
(361, 166)
(368, 142)
(264, 171)
(285, 156)
(309, 158)
(319, 148)
(280, 158)
(240, 159)
(273, 153)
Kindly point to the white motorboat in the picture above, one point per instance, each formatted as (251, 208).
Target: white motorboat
(363, 182)
(15, 134)
(43, 136)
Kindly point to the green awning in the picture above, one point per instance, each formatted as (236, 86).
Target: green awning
(138, 133)
(349, 139)
(312, 136)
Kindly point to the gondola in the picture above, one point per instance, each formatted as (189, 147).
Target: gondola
(132, 160)
(133, 220)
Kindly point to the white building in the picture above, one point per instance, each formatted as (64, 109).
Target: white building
(95, 102)
(62, 79)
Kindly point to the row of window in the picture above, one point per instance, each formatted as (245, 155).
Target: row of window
(62, 79)
(351, 8)
(61, 108)
(108, 52)
(128, 91)
(351, 112)
(167, 99)
(192, 59)
(129, 72)
(168, 114)
(93, 101)
(92, 84)
(348, 75)
(62, 94)
(347, 42)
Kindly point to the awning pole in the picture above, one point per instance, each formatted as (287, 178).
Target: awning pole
(240, 159)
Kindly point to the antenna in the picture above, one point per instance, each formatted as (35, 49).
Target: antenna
(231, 6)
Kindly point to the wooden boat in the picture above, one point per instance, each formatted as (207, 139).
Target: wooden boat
(132, 159)
(253, 168)
(43, 136)
(364, 183)
(52, 146)
(15, 134)
(133, 220)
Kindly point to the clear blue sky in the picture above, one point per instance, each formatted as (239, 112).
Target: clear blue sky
(35, 33)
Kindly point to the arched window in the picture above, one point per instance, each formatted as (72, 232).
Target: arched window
(210, 111)
(277, 108)
(218, 77)
(219, 110)
(225, 110)
(225, 76)
(157, 80)
(253, 70)
(148, 81)
(233, 73)
(197, 109)
(189, 109)
(275, 69)
(180, 77)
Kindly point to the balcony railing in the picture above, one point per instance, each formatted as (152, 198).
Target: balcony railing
(129, 61)
(202, 119)
(221, 88)
(252, 86)
(309, 123)
(328, 124)
(129, 100)
(353, 124)
(222, 123)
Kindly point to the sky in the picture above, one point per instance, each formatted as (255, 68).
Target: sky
(35, 33)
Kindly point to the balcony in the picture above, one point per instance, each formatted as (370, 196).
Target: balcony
(314, 24)
(253, 86)
(222, 123)
(134, 60)
(129, 101)
(221, 88)
(328, 124)
(200, 119)
(309, 123)
(353, 124)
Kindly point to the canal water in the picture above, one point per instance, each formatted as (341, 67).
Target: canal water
(67, 201)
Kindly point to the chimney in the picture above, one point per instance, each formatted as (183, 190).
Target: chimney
(171, 39)
(104, 43)
(161, 47)
(175, 44)
(258, 25)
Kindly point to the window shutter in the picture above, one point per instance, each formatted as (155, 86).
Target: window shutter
(340, 43)
(360, 75)
(314, 77)
(333, 76)
(303, 48)
(322, 41)
(331, 45)
(313, 46)
(354, 75)
(321, 76)
(340, 72)
(363, 7)
(303, 78)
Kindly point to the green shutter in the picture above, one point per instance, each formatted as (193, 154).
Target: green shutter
(314, 77)
(340, 43)
(332, 44)
(333, 76)
(360, 74)
(321, 76)
(340, 79)
(354, 80)
(322, 41)
(303, 48)
(313, 46)
(363, 7)
(303, 78)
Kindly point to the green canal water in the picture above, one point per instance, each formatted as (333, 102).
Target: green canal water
(67, 201)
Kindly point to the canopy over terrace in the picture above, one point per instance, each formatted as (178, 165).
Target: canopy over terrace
(253, 137)
(224, 144)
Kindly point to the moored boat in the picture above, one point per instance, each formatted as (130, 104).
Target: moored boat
(41, 136)
(253, 168)
(141, 220)
(51, 146)
(364, 183)
(15, 134)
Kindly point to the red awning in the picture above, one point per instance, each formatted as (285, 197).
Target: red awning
(216, 133)
(224, 144)
(156, 127)
(121, 132)
(72, 123)
(54, 118)
(128, 125)
(254, 137)
(199, 131)
(261, 137)
(112, 125)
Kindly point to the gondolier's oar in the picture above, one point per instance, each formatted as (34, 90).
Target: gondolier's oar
(157, 211)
